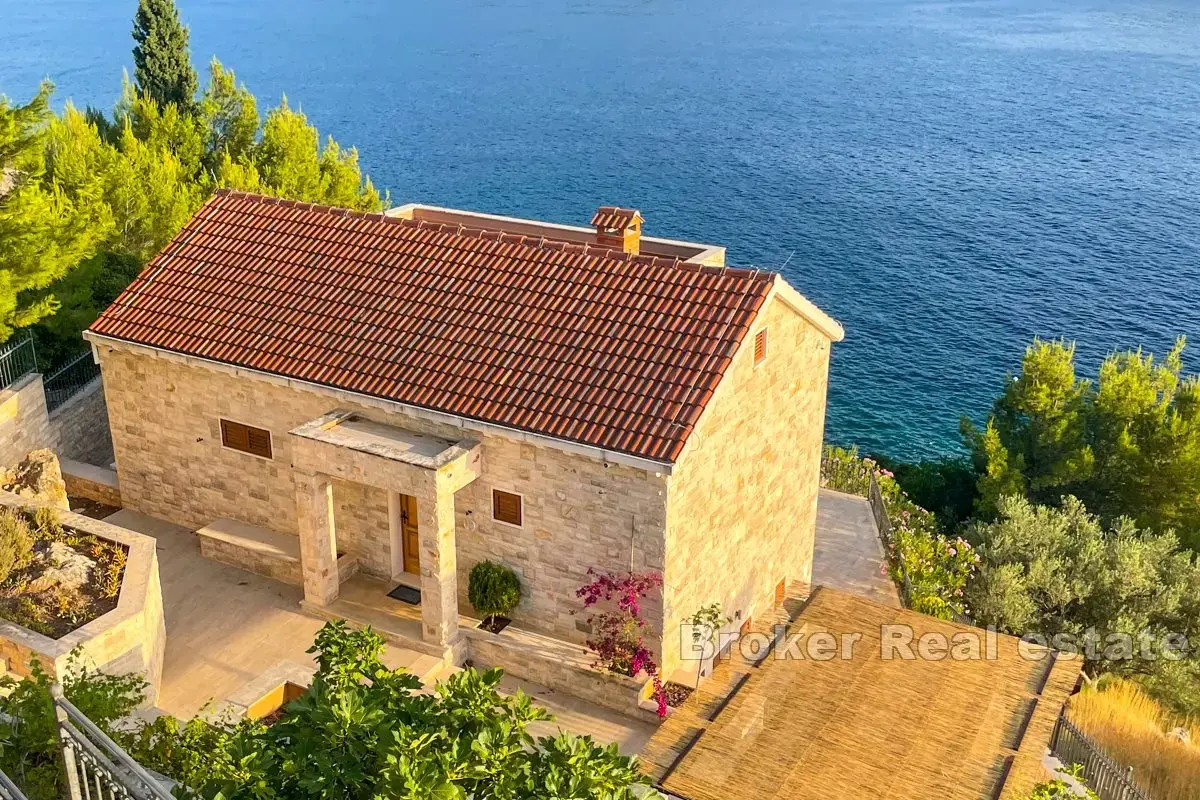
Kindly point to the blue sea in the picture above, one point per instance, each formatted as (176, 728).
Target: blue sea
(948, 179)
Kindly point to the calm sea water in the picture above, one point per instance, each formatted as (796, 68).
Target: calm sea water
(948, 179)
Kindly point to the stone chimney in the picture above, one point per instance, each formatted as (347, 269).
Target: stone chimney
(619, 228)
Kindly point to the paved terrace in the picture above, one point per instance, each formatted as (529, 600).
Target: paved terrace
(226, 627)
(848, 553)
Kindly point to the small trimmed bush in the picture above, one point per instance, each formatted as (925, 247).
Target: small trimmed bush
(493, 589)
(16, 543)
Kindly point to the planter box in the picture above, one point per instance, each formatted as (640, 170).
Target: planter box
(130, 638)
(563, 666)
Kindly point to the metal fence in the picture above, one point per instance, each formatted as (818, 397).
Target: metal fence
(17, 359)
(67, 381)
(9, 790)
(883, 524)
(96, 767)
(1105, 777)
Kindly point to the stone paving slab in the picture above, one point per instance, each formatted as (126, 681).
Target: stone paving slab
(848, 554)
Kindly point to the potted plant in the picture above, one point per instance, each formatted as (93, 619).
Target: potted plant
(494, 590)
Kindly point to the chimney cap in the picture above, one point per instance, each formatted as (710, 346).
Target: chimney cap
(614, 218)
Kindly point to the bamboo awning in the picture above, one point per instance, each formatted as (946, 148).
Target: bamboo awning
(865, 726)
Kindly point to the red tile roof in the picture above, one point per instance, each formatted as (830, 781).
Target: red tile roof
(614, 218)
(570, 341)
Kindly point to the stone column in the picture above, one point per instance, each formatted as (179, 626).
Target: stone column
(439, 577)
(318, 538)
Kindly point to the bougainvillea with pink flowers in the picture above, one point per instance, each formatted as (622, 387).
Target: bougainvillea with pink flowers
(618, 637)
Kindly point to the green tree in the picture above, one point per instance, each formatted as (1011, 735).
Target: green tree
(162, 64)
(29, 749)
(1127, 444)
(1058, 571)
(363, 731)
(46, 227)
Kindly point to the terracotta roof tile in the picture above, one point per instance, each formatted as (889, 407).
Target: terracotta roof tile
(550, 337)
(613, 218)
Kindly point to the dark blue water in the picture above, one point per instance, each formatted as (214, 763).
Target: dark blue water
(946, 178)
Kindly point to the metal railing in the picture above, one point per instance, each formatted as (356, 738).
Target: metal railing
(96, 767)
(67, 381)
(17, 359)
(1104, 776)
(9, 790)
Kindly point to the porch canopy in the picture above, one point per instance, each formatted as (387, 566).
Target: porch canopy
(344, 445)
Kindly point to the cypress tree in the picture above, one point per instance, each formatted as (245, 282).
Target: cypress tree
(162, 66)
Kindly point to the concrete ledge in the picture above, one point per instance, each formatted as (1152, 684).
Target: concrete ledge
(261, 551)
(94, 483)
(558, 665)
(130, 638)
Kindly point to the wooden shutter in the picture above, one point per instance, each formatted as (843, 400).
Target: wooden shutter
(245, 438)
(506, 507)
(760, 346)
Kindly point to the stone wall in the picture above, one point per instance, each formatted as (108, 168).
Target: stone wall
(558, 666)
(80, 427)
(578, 512)
(24, 424)
(76, 430)
(742, 500)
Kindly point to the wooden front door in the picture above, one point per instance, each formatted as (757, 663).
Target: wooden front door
(408, 534)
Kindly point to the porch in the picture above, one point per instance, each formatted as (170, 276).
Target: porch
(420, 475)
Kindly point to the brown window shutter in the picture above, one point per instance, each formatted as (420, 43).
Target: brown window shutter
(760, 346)
(237, 436)
(506, 507)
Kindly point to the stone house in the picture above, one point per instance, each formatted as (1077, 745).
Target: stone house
(402, 395)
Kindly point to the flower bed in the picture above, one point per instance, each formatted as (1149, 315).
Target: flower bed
(129, 637)
(55, 578)
(930, 569)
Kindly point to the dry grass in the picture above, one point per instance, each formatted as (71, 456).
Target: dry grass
(1132, 728)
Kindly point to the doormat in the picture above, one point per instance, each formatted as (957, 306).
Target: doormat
(406, 594)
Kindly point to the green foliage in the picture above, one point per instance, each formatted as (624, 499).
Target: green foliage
(1056, 571)
(16, 543)
(163, 68)
(135, 180)
(1127, 444)
(493, 589)
(930, 569)
(364, 731)
(1060, 789)
(46, 227)
(29, 752)
(946, 486)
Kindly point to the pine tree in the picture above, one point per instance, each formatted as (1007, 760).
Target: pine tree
(45, 228)
(162, 66)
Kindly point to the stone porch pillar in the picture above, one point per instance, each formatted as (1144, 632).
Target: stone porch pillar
(439, 579)
(318, 538)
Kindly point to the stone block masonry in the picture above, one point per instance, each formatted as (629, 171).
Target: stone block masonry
(76, 430)
(579, 513)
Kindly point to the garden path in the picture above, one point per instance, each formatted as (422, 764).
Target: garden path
(848, 554)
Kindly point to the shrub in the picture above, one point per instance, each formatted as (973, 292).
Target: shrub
(493, 589)
(1061, 789)
(16, 543)
(931, 569)
(1135, 731)
(618, 633)
(363, 730)
(31, 755)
